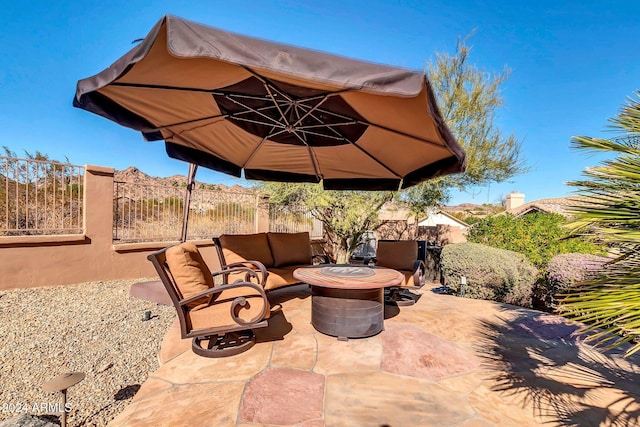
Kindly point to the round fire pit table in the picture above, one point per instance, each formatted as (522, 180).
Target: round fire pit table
(347, 301)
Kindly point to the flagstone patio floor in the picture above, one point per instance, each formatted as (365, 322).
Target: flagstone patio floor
(445, 361)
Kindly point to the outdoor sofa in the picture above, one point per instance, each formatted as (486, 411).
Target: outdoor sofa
(274, 255)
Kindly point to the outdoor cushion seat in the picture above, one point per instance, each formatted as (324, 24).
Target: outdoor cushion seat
(279, 277)
(221, 314)
(274, 256)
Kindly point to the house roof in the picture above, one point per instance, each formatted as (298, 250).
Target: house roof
(447, 215)
(557, 205)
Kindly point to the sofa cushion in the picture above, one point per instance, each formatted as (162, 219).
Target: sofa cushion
(189, 271)
(279, 277)
(290, 248)
(399, 255)
(243, 247)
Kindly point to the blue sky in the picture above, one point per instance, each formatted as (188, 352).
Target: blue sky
(573, 65)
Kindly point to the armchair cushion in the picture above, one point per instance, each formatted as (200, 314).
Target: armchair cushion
(290, 248)
(218, 314)
(398, 255)
(190, 273)
(242, 247)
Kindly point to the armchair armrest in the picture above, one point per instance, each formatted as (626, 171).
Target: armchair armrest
(419, 269)
(255, 266)
(213, 293)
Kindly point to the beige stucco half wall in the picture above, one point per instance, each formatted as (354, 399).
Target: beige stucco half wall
(30, 261)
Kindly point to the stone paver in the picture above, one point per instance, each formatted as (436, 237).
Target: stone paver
(445, 361)
(358, 355)
(297, 351)
(214, 404)
(283, 396)
(385, 399)
(409, 350)
(190, 368)
(172, 344)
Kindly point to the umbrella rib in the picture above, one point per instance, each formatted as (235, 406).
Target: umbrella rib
(340, 136)
(337, 137)
(186, 122)
(275, 102)
(328, 125)
(150, 86)
(315, 107)
(311, 155)
(274, 121)
(397, 132)
(218, 116)
(253, 153)
(314, 162)
(275, 125)
(374, 158)
(303, 99)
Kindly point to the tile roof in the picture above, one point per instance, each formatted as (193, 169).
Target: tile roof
(558, 205)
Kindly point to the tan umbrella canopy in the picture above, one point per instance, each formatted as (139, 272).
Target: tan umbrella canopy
(280, 113)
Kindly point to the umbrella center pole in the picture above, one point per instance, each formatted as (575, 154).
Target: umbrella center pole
(187, 200)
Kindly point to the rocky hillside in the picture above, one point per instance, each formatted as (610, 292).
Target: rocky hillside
(135, 175)
(466, 210)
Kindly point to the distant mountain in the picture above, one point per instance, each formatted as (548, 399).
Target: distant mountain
(135, 175)
(464, 210)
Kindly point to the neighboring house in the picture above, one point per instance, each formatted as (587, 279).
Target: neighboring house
(442, 228)
(436, 226)
(558, 205)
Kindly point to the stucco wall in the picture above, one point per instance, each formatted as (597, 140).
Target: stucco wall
(29, 261)
(442, 234)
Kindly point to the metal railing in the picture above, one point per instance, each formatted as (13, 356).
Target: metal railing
(40, 197)
(216, 212)
(293, 220)
(152, 212)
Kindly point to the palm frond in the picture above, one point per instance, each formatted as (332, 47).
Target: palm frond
(609, 210)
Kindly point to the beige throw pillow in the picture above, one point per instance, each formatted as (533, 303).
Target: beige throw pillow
(189, 271)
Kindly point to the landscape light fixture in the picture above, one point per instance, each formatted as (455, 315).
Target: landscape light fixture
(61, 383)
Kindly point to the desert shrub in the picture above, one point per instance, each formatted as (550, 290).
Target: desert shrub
(539, 236)
(564, 272)
(492, 274)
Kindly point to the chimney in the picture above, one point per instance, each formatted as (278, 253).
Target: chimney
(514, 200)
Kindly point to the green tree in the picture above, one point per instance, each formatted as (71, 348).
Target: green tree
(610, 303)
(539, 236)
(468, 98)
(345, 215)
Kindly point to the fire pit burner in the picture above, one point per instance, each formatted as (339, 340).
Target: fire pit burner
(348, 271)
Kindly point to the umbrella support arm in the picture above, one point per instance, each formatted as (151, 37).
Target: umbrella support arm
(187, 200)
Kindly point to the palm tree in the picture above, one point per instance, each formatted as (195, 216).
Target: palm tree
(610, 303)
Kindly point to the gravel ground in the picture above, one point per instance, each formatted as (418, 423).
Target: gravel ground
(95, 328)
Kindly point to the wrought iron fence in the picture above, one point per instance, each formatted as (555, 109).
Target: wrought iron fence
(287, 219)
(40, 197)
(216, 212)
(152, 212)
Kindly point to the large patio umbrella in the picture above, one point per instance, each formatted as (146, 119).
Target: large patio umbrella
(233, 103)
